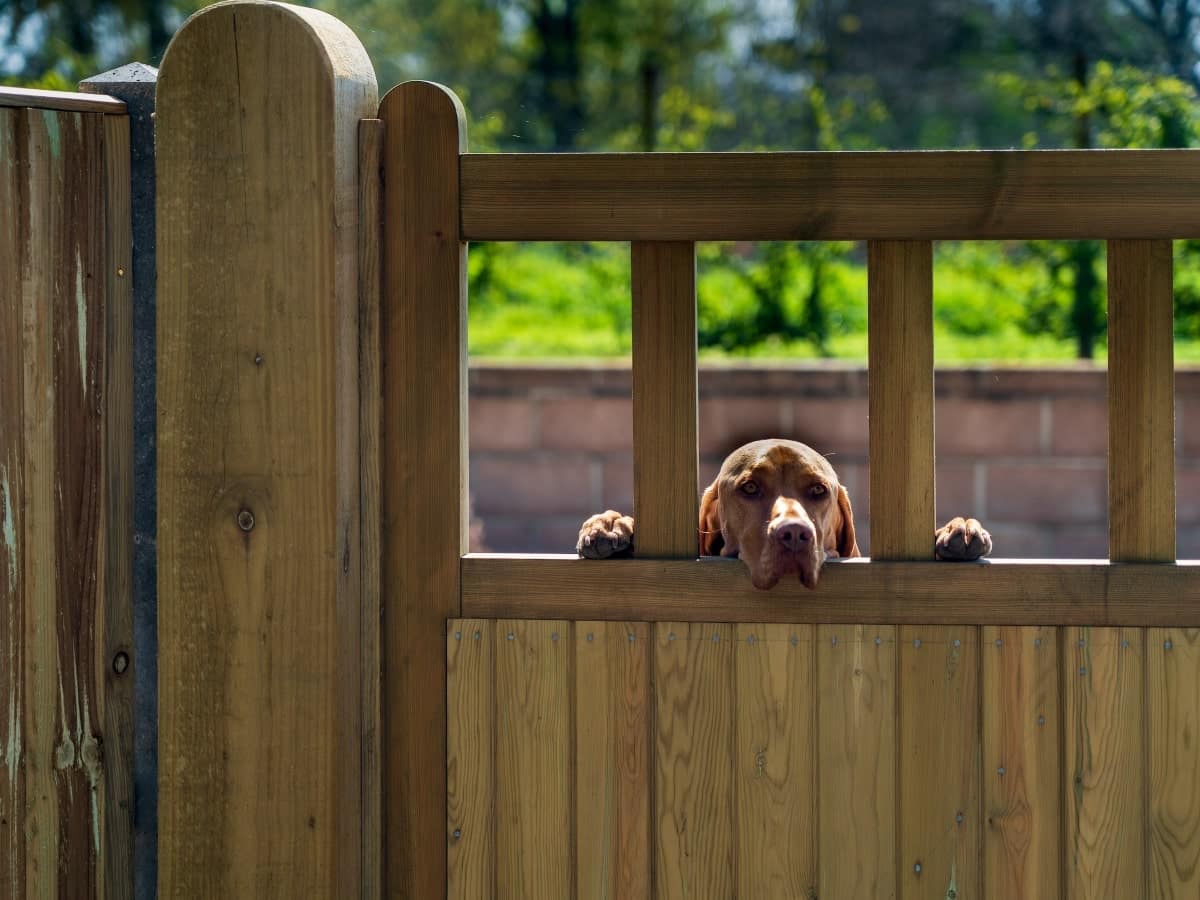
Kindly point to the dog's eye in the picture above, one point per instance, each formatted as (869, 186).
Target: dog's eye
(749, 488)
(818, 490)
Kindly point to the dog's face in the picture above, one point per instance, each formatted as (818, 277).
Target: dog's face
(777, 505)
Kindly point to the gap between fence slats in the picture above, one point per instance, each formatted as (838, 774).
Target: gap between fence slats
(664, 399)
(952, 195)
(1141, 402)
(900, 397)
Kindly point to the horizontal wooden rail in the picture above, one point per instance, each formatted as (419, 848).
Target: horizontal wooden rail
(1000, 592)
(955, 195)
(61, 101)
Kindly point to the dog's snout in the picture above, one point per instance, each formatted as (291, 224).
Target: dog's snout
(793, 534)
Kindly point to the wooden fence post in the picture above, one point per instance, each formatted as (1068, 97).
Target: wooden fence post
(260, 711)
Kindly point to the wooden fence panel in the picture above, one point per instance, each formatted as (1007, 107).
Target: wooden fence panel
(1022, 790)
(1104, 763)
(613, 719)
(938, 815)
(856, 761)
(260, 713)
(534, 764)
(1173, 762)
(65, 734)
(693, 778)
(774, 757)
(470, 760)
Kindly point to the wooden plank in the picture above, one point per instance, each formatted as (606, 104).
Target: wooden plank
(664, 399)
(370, 365)
(1104, 754)
(999, 592)
(258, 486)
(1173, 720)
(693, 832)
(938, 814)
(423, 442)
(1022, 786)
(115, 613)
(900, 347)
(62, 101)
(13, 583)
(971, 195)
(1141, 402)
(470, 759)
(856, 761)
(613, 722)
(534, 833)
(774, 761)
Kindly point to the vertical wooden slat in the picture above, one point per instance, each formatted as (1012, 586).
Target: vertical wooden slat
(13, 582)
(470, 761)
(612, 759)
(1141, 402)
(423, 442)
(939, 762)
(113, 663)
(534, 833)
(900, 351)
(1104, 773)
(259, 618)
(1022, 788)
(774, 760)
(1173, 723)
(370, 363)
(693, 775)
(664, 398)
(856, 761)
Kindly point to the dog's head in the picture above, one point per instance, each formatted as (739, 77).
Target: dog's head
(778, 506)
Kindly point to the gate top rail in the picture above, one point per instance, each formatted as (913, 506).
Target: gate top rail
(63, 101)
(882, 195)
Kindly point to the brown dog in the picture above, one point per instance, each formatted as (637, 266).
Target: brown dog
(778, 506)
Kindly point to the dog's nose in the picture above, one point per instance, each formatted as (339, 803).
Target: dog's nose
(793, 534)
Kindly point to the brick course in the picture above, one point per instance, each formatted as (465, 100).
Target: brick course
(1024, 449)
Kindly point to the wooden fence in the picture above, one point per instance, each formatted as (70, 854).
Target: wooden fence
(352, 705)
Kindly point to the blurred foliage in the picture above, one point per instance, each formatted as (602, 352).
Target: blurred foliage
(689, 75)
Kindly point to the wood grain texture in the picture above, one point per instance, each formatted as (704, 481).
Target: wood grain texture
(534, 781)
(370, 375)
(115, 615)
(54, 818)
(613, 740)
(258, 483)
(1022, 782)
(62, 101)
(856, 761)
(774, 761)
(938, 813)
(664, 398)
(1104, 777)
(1141, 402)
(693, 832)
(423, 339)
(979, 195)
(1008, 592)
(900, 364)
(471, 823)
(1173, 762)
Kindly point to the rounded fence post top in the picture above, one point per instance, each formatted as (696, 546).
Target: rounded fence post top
(337, 44)
(430, 95)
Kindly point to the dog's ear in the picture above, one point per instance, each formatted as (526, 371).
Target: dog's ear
(711, 538)
(847, 543)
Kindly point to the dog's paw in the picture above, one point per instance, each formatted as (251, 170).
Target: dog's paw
(605, 534)
(962, 540)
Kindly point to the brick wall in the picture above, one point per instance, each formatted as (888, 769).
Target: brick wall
(1021, 449)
